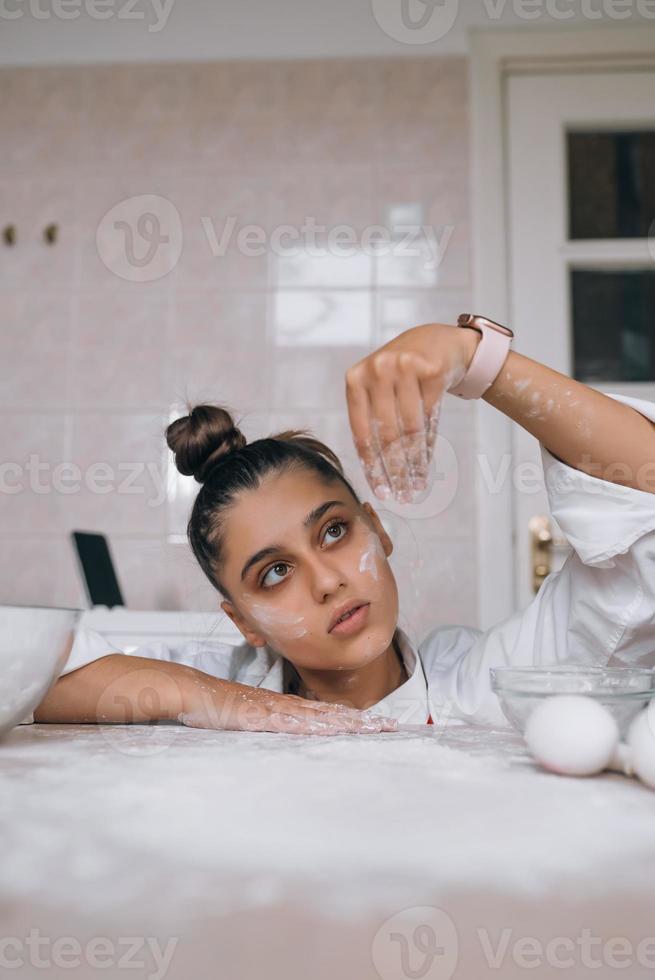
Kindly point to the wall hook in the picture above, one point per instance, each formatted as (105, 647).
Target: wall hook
(9, 234)
(50, 233)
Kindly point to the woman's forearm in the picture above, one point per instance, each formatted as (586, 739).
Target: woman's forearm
(579, 425)
(128, 690)
(116, 689)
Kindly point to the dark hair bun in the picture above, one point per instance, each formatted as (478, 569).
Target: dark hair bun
(201, 438)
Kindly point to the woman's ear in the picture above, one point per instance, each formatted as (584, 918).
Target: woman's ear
(251, 636)
(378, 527)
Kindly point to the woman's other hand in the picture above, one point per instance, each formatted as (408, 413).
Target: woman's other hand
(394, 400)
(225, 705)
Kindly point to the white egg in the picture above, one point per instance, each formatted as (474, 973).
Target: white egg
(572, 734)
(641, 739)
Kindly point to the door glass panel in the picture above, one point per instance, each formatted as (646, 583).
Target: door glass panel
(611, 178)
(613, 315)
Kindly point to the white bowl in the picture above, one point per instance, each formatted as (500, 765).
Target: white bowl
(34, 645)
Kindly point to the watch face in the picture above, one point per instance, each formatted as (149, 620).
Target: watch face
(475, 320)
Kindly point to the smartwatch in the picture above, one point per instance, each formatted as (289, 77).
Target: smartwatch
(489, 357)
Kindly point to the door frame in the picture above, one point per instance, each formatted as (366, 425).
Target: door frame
(494, 55)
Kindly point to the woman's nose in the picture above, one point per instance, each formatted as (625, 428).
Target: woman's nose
(325, 576)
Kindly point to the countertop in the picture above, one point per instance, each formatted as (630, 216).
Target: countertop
(444, 854)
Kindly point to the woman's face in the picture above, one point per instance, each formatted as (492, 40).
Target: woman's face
(287, 597)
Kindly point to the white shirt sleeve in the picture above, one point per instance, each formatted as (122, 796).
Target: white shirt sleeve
(87, 647)
(599, 608)
(227, 661)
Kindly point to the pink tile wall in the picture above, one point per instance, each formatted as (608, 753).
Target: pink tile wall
(94, 364)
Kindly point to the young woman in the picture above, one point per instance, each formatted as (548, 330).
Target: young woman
(301, 563)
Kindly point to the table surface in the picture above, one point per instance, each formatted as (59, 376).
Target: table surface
(211, 835)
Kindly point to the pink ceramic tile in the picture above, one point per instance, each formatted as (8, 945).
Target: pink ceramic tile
(431, 197)
(322, 319)
(398, 310)
(42, 573)
(121, 461)
(326, 262)
(328, 197)
(40, 151)
(219, 350)
(313, 378)
(31, 471)
(241, 93)
(332, 143)
(121, 246)
(443, 588)
(423, 255)
(423, 88)
(128, 96)
(42, 112)
(412, 142)
(156, 575)
(246, 148)
(46, 96)
(31, 205)
(330, 90)
(34, 350)
(118, 350)
(224, 225)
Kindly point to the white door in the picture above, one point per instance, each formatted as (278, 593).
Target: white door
(581, 194)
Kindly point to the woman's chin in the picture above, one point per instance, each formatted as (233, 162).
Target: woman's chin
(362, 648)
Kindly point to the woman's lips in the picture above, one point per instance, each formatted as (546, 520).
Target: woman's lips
(352, 623)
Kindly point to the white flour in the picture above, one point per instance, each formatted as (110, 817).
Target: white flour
(166, 821)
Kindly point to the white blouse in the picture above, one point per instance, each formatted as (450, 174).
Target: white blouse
(599, 608)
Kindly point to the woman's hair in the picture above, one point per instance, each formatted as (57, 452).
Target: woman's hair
(208, 446)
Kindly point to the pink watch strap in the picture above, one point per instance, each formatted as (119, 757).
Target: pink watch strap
(489, 357)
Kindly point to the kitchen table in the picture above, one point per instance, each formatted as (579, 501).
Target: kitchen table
(163, 851)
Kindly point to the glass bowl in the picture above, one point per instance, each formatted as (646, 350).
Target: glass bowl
(623, 690)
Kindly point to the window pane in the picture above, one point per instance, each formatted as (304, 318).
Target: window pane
(611, 184)
(613, 316)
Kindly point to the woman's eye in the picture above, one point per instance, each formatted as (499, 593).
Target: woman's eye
(283, 564)
(337, 524)
(280, 564)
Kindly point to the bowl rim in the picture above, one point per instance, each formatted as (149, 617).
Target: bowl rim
(647, 695)
(571, 669)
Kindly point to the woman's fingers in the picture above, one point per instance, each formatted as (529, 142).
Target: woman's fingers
(327, 723)
(394, 401)
(295, 715)
(433, 386)
(413, 420)
(365, 439)
(376, 426)
(389, 422)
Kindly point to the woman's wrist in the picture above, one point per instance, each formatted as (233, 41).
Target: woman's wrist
(458, 346)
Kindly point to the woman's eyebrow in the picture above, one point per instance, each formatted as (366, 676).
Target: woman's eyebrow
(273, 549)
